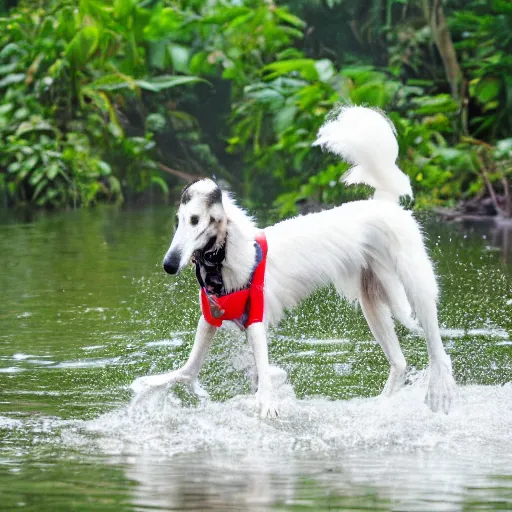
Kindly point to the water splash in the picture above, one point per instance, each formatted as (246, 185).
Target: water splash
(166, 424)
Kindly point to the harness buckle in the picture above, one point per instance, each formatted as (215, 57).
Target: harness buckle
(215, 308)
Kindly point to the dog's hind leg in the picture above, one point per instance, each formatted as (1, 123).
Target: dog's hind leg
(419, 280)
(378, 315)
(441, 384)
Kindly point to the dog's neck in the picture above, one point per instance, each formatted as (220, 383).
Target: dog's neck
(240, 251)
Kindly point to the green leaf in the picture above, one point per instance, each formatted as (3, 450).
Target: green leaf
(487, 89)
(53, 170)
(47, 27)
(21, 114)
(123, 8)
(97, 10)
(183, 119)
(6, 108)
(55, 69)
(289, 18)
(162, 82)
(105, 168)
(82, 46)
(117, 81)
(503, 149)
(115, 130)
(199, 64)
(10, 49)
(12, 79)
(225, 15)
(180, 56)
(162, 23)
(284, 118)
(8, 68)
(29, 126)
(14, 167)
(114, 82)
(441, 103)
(293, 32)
(305, 67)
(360, 74)
(157, 54)
(158, 180)
(155, 123)
(241, 20)
(39, 188)
(36, 177)
(325, 69)
(31, 162)
(264, 94)
(374, 94)
(450, 155)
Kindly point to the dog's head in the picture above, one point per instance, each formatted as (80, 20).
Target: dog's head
(200, 222)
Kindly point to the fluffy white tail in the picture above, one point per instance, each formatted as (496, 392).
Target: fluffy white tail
(366, 138)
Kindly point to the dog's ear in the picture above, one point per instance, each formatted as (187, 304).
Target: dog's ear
(214, 197)
(185, 195)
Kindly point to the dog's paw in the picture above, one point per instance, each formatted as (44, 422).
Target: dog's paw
(143, 384)
(267, 404)
(394, 383)
(199, 390)
(441, 388)
(269, 409)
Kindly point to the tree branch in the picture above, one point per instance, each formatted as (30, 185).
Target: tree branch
(488, 183)
(180, 174)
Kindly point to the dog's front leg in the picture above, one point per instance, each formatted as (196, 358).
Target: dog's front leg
(265, 394)
(190, 371)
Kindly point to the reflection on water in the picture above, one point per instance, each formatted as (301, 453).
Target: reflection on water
(85, 308)
(357, 481)
(498, 233)
(502, 237)
(363, 452)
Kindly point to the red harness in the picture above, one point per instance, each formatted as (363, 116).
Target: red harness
(250, 300)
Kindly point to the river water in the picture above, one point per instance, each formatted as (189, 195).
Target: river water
(85, 308)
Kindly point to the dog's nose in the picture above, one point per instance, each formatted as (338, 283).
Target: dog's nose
(172, 263)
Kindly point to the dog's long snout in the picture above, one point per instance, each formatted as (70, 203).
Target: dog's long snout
(172, 262)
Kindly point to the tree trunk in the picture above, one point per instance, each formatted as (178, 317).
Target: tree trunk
(436, 19)
(508, 197)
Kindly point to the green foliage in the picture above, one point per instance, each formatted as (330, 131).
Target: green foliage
(276, 120)
(97, 98)
(70, 78)
(484, 30)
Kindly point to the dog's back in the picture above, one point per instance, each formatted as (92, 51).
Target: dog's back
(336, 246)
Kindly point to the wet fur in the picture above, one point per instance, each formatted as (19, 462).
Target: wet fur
(372, 251)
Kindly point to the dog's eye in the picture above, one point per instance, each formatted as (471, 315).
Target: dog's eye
(194, 220)
(176, 222)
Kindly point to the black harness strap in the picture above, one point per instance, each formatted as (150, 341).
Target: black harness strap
(209, 266)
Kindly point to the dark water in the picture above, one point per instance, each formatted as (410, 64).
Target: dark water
(85, 308)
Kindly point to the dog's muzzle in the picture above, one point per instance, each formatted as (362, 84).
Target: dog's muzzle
(172, 263)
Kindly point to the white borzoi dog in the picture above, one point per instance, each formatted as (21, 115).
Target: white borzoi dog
(370, 250)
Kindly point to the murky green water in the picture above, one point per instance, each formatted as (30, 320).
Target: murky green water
(85, 308)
